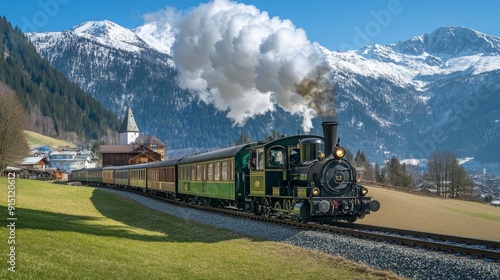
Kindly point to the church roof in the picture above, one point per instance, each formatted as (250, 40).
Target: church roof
(129, 124)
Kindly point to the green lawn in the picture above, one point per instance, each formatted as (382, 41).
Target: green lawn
(36, 139)
(65, 232)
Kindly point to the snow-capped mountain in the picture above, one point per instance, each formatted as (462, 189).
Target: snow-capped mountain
(157, 35)
(431, 92)
(118, 68)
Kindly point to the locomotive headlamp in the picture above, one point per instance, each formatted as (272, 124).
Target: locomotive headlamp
(315, 191)
(364, 191)
(338, 152)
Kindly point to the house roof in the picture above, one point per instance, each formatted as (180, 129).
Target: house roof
(129, 124)
(142, 154)
(149, 140)
(124, 149)
(33, 160)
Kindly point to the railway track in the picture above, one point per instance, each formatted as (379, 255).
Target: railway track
(461, 246)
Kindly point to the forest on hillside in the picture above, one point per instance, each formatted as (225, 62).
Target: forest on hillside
(56, 106)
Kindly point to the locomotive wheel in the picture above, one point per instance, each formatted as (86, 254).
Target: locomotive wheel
(277, 206)
(352, 219)
(287, 205)
(266, 208)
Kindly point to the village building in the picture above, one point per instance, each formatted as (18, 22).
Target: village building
(133, 148)
(118, 155)
(128, 130)
(34, 162)
(69, 159)
(37, 167)
(153, 143)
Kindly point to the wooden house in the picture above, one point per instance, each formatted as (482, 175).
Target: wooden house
(34, 162)
(118, 155)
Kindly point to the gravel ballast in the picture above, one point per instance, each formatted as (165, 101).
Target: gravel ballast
(404, 261)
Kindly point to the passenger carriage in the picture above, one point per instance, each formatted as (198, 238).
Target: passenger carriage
(108, 175)
(94, 175)
(218, 177)
(137, 175)
(162, 177)
(121, 175)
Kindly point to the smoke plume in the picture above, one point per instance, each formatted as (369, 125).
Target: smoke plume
(242, 61)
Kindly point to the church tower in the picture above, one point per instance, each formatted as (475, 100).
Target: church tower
(128, 130)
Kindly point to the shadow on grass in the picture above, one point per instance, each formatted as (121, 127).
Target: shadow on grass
(135, 220)
(133, 214)
(60, 182)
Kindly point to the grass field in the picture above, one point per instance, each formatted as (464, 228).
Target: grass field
(36, 139)
(65, 232)
(430, 214)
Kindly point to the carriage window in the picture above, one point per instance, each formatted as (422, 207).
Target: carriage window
(276, 157)
(186, 172)
(193, 172)
(224, 171)
(210, 172)
(257, 159)
(199, 172)
(217, 171)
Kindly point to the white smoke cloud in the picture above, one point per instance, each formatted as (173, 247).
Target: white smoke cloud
(242, 61)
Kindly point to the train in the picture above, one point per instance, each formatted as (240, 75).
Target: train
(300, 177)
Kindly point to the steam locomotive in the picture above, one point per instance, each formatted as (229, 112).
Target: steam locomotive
(302, 177)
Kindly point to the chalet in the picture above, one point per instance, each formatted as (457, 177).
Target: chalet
(118, 155)
(152, 142)
(34, 162)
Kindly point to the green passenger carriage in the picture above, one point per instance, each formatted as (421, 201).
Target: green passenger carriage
(218, 178)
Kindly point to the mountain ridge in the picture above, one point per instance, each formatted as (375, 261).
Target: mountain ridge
(389, 97)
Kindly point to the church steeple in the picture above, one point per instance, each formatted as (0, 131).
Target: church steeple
(128, 130)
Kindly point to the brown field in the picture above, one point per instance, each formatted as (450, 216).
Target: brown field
(430, 214)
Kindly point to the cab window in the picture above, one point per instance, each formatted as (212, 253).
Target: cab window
(257, 159)
(276, 157)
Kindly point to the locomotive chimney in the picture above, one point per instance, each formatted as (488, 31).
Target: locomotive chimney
(330, 135)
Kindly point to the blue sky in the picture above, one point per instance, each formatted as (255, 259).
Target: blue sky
(346, 24)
